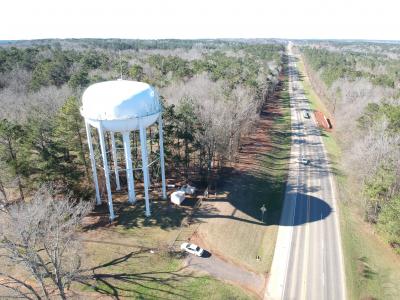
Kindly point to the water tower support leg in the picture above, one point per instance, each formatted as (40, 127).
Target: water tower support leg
(106, 171)
(129, 172)
(162, 162)
(93, 162)
(145, 168)
(115, 160)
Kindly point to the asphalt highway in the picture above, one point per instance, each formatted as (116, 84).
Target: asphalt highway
(308, 259)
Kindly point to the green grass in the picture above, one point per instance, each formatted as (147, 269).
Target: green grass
(118, 262)
(236, 230)
(154, 276)
(214, 290)
(372, 268)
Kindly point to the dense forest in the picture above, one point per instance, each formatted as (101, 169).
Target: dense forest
(360, 84)
(212, 92)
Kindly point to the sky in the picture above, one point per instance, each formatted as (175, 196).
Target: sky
(187, 19)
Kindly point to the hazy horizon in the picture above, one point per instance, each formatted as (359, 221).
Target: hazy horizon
(177, 19)
(205, 39)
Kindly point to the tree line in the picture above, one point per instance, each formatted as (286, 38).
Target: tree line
(211, 98)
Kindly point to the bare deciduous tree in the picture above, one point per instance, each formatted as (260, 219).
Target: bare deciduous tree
(40, 251)
(223, 115)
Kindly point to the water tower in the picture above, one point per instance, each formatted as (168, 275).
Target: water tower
(122, 106)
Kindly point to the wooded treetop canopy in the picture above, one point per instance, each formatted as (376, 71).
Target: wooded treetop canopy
(120, 100)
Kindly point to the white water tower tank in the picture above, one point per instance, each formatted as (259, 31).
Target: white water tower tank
(122, 106)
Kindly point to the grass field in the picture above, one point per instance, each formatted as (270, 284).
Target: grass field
(372, 268)
(130, 259)
(235, 230)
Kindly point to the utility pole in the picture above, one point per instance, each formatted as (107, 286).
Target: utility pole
(263, 210)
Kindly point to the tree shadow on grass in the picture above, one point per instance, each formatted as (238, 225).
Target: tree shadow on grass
(164, 215)
(153, 284)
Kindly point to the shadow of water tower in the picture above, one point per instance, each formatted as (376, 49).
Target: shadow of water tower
(122, 106)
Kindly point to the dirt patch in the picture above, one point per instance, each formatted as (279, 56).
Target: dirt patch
(258, 142)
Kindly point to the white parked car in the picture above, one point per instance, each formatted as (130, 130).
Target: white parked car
(192, 249)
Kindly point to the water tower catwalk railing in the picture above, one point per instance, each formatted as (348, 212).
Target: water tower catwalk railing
(134, 108)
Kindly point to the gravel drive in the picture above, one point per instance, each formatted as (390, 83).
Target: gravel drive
(226, 271)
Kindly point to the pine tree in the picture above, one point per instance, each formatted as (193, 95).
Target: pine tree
(13, 154)
(69, 131)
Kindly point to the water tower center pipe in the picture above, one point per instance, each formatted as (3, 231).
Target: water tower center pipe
(161, 145)
(115, 160)
(145, 167)
(129, 171)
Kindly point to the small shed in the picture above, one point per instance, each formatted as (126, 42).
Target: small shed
(178, 197)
